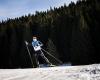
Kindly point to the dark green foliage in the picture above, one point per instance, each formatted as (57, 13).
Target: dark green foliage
(70, 33)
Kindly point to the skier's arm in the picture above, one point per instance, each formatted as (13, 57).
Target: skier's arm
(40, 43)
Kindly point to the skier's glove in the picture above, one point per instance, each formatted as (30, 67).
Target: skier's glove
(26, 42)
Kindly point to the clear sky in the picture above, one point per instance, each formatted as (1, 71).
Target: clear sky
(17, 8)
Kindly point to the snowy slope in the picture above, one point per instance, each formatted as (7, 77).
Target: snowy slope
(88, 72)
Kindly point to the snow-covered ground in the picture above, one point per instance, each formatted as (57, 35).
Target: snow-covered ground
(88, 72)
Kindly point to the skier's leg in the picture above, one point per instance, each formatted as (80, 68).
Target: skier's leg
(37, 61)
(43, 56)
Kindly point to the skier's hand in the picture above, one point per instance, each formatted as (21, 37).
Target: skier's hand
(41, 44)
(26, 42)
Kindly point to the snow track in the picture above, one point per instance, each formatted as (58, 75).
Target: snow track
(88, 72)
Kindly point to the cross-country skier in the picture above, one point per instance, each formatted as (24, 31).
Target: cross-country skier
(38, 52)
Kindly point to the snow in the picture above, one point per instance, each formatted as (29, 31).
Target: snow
(86, 72)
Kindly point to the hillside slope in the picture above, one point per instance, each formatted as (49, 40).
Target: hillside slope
(88, 72)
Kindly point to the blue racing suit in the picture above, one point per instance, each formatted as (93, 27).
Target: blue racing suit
(36, 43)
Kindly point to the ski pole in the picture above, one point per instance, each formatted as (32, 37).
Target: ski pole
(29, 53)
(45, 57)
(52, 56)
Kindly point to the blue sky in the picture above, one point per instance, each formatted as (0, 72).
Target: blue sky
(17, 8)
